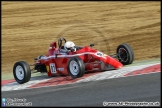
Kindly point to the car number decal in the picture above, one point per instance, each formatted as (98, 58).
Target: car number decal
(53, 68)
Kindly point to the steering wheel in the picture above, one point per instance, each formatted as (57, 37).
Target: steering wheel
(60, 41)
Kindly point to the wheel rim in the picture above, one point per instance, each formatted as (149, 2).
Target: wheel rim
(74, 68)
(19, 72)
(123, 55)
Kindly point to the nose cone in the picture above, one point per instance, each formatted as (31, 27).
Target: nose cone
(118, 65)
(114, 62)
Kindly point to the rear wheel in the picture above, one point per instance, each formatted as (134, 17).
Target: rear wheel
(76, 67)
(125, 54)
(21, 72)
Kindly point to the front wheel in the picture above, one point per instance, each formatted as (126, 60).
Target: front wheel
(76, 67)
(125, 54)
(21, 72)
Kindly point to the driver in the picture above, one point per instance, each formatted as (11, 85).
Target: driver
(69, 46)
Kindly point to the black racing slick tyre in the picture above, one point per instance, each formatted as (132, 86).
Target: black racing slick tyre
(76, 67)
(125, 54)
(21, 72)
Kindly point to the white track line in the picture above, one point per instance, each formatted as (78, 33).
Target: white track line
(114, 73)
(99, 76)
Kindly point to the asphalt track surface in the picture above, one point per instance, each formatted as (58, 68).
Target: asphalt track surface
(137, 88)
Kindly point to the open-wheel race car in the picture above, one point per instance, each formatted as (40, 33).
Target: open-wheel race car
(75, 63)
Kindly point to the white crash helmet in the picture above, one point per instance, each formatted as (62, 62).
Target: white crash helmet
(69, 45)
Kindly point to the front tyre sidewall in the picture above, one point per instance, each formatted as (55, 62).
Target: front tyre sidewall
(76, 67)
(128, 52)
(21, 72)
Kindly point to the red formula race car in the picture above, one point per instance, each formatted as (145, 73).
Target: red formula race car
(74, 63)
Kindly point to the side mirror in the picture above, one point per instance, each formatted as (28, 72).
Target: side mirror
(91, 45)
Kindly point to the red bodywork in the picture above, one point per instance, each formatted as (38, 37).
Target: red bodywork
(56, 63)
